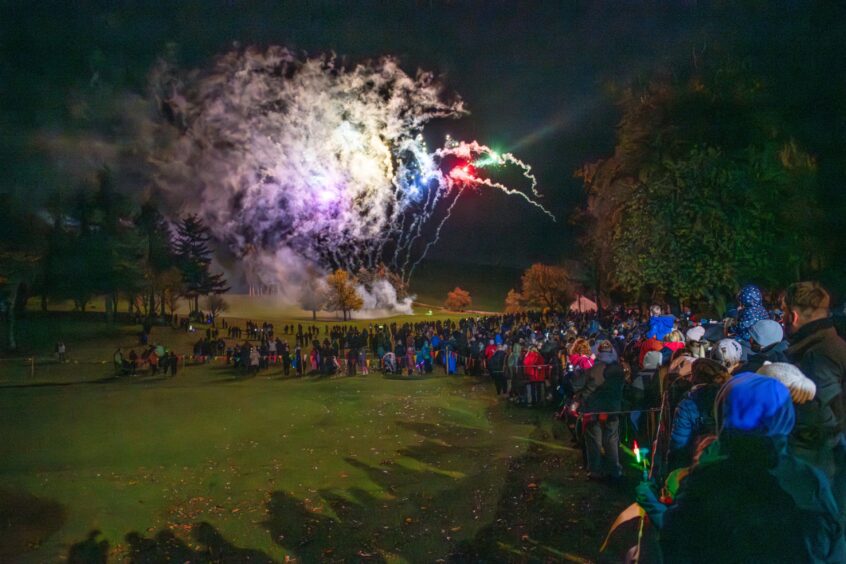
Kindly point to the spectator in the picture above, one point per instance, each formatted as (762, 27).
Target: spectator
(695, 334)
(766, 339)
(802, 389)
(255, 359)
(659, 324)
(133, 362)
(601, 398)
(153, 361)
(121, 367)
(533, 367)
(694, 416)
(750, 311)
(674, 341)
(756, 502)
(729, 353)
(820, 354)
(172, 362)
(496, 366)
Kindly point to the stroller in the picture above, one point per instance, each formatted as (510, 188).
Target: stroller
(569, 413)
(389, 363)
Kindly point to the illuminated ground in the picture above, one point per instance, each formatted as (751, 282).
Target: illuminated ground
(207, 466)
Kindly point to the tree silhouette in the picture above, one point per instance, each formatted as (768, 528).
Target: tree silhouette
(194, 259)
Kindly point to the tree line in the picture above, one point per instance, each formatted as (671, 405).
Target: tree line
(94, 242)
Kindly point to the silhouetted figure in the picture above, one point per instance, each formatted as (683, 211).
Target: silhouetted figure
(89, 551)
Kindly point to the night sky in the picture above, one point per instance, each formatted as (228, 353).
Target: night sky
(536, 76)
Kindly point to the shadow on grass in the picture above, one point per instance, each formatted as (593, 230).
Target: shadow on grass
(138, 380)
(413, 511)
(167, 547)
(455, 495)
(26, 522)
(104, 380)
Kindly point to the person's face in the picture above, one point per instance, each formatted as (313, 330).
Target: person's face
(792, 319)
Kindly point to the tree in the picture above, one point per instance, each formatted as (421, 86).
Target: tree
(547, 286)
(170, 283)
(514, 302)
(20, 251)
(706, 190)
(216, 304)
(342, 294)
(160, 260)
(458, 300)
(313, 291)
(194, 259)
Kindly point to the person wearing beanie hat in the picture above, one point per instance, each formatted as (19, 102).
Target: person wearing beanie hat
(603, 393)
(647, 346)
(802, 389)
(652, 360)
(756, 502)
(767, 342)
(695, 334)
(729, 353)
(644, 386)
(765, 333)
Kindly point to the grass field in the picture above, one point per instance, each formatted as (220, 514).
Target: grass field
(212, 466)
(487, 285)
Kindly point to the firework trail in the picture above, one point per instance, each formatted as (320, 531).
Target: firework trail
(284, 157)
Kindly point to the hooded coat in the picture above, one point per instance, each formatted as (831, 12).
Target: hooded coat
(660, 325)
(533, 366)
(751, 312)
(756, 502)
(603, 391)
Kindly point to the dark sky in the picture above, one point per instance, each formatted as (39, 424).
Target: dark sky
(534, 75)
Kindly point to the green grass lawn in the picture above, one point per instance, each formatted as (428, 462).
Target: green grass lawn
(214, 466)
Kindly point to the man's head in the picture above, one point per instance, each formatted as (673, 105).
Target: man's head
(655, 309)
(803, 303)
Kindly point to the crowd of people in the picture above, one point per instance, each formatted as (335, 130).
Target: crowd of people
(743, 415)
(155, 358)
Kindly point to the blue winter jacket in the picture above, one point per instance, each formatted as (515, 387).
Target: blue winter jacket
(690, 415)
(660, 325)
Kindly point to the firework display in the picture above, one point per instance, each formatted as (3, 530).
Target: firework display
(292, 159)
